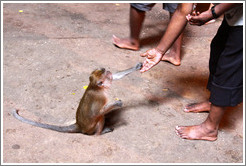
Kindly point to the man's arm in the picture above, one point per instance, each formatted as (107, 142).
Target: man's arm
(174, 29)
(200, 19)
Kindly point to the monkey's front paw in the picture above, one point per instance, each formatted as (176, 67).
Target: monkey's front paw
(118, 103)
(139, 66)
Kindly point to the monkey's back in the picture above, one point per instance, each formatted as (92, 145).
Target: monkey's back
(89, 109)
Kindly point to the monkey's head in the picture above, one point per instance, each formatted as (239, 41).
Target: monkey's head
(101, 78)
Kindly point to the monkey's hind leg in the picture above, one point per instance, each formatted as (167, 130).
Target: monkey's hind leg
(101, 129)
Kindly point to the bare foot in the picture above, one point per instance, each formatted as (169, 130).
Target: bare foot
(171, 57)
(199, 132)
(198, 107)
(125, 43)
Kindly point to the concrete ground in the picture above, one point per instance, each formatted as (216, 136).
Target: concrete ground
(49, 50)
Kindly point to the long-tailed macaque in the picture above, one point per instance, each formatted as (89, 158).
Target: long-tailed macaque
(92, 107)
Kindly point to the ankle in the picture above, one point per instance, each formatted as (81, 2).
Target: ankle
(134, 41)
(210, 128)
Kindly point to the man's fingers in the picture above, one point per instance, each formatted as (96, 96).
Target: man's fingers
(144, 63)
(153, 57)
(145, 68)
(195, 20)
(144, 54)
(196, 23)
(149, 54)
(148, 64)
(188, 17)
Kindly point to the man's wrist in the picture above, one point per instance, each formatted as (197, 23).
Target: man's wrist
(159, 51)
(213, 12)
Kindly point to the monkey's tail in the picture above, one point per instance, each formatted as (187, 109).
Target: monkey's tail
(74, 128)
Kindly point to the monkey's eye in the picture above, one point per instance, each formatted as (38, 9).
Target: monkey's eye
(100, 83)
(103, 70)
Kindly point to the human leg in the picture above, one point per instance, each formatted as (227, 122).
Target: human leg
(208, 130)
(225, 84)
(174, 54)
(137, 16)
(198, 107)
(217, 47)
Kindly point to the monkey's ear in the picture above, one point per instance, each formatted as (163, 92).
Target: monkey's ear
(91, 78)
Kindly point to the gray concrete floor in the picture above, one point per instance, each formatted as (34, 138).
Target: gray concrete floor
(49, 52)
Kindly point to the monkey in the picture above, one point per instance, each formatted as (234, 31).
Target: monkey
(91, 110)
(93, 106)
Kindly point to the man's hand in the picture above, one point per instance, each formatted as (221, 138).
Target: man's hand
(203, 17)
(199, 19)
(153, 57)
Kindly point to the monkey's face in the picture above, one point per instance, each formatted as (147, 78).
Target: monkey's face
(101, 78)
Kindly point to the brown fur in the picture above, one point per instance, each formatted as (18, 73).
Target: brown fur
(91, 110)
